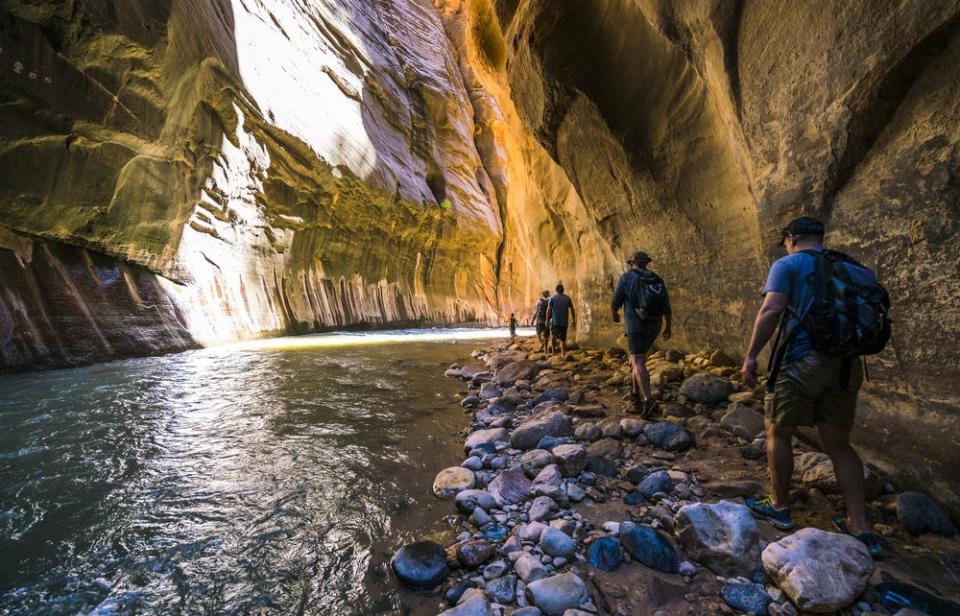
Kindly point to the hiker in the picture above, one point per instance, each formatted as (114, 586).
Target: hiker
(539, 317)
(815, 373)
(560, 314)
(513, 327)
(646, 307)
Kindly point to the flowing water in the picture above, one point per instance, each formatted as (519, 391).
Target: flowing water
(272, 477)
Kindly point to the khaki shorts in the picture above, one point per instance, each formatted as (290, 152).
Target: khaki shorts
(809, 391)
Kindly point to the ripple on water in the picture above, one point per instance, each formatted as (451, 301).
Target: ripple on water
(220, 480)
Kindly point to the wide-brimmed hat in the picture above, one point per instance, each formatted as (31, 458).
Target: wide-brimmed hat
(639, 257)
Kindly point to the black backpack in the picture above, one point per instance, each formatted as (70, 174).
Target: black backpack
(650, 298)
(846, 319)
(542, 310)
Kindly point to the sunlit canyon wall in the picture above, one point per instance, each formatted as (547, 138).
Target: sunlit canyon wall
(181, 172)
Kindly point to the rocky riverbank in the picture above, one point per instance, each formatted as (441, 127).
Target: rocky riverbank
(565, 504)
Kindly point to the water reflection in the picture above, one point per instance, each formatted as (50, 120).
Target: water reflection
(238, 479)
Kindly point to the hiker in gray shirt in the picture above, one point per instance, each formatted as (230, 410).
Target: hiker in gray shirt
(560, 314)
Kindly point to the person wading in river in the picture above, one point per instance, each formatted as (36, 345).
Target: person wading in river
(831, 310)
(539, 317)
(646, 307)
(560, 313)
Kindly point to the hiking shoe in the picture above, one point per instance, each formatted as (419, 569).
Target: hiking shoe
(875, 545)
(763, 509)
(631, 397)
(649, 406)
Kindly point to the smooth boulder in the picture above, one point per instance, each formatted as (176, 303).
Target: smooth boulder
(706, 388)
(534, 461)
(452, 480)
(476, 605)
(647, 547)
(547, 423)
(422, 564)
(743, 421)
(920, 515)
(555, 542)
(510, 487)
(668, 436)
(485, 437)
(820, 572)
(722, 537)
(554, 595)
(468, 500)
(605, 553)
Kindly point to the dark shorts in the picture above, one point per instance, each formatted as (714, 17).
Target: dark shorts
(542, 328)
(810, 391)
(639, 342)
(559, 332)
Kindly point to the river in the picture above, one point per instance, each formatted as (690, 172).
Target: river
(269, 477)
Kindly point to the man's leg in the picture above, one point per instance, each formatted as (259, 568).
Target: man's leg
(779, 462)
(634, 378)
(848, 468)
(642, 376)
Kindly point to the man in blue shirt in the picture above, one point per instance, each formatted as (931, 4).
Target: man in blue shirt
(811, 388)
(561, 314)
(641, 331)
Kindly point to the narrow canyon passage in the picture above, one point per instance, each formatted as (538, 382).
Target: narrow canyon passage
(176, 175)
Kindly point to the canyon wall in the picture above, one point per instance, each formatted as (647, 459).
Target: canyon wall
(183, 172)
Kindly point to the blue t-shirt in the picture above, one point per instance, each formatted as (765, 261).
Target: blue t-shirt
(560, 306)
(791, 275)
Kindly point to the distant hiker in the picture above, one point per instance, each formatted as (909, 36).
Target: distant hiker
(539, 317)
(831, 310)
(561, 314)
(513, 326)
(646, 307)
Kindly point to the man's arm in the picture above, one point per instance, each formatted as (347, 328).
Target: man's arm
(619, 296)
(667, 316)
(549, 311)
(573, 314)
(774, 303)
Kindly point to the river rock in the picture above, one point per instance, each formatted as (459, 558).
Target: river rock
(529, 433)
(517, 371)
(529, 568)
(542, 508)
(722, 537)
(658, 481)
(668, 436)
(468, 500)
(555, 542)
(646, 546)
(816, 471)
(422, 564)
(743, 421)
(494, 531)
(532, 531)
(534, 461)
(502, 590)
(556, 594)
(472, 554)
(489, 390)
(820, 572)
(475, 605)
(920, 515)
(632, 426)
(706, 388)
(480, 518)
(473, 463)
(557, 394)
(452, 480)
(605, 553)
(485, 437)
(587, 432)
(746, 597)
(603, 457)
(510, 487)
(571, 459)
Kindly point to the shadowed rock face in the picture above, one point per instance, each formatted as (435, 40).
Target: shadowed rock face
(255, 168)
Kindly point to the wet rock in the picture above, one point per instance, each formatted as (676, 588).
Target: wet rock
(473, 606)
(658, 481)
(494, 532)
(452, 480)
(605, 553)
(529, 568)
(517, 371)
(534, 461)
(668, 436)
(571, 459)
(920, 515)
(706, 388)
(510, 486)
(502, 590)
(647, 547)
(489, 390)
(555, 542)
(529, 433)
(468, 500)
(743, 421)
(542, 508)
(820, 572)
(587, 432)
(470, 402)
(556, 594)
(722, 537)
(473, 463)
(422, 564)
(472, 554)
(631, 426)
(746, 597)
(485, 437)
(455, 592)
(557, 394)
(480, 518)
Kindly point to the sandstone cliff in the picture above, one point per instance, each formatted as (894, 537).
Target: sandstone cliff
(180, 172)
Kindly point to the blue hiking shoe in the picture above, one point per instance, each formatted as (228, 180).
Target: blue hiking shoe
(763, 509)
(875, 544)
